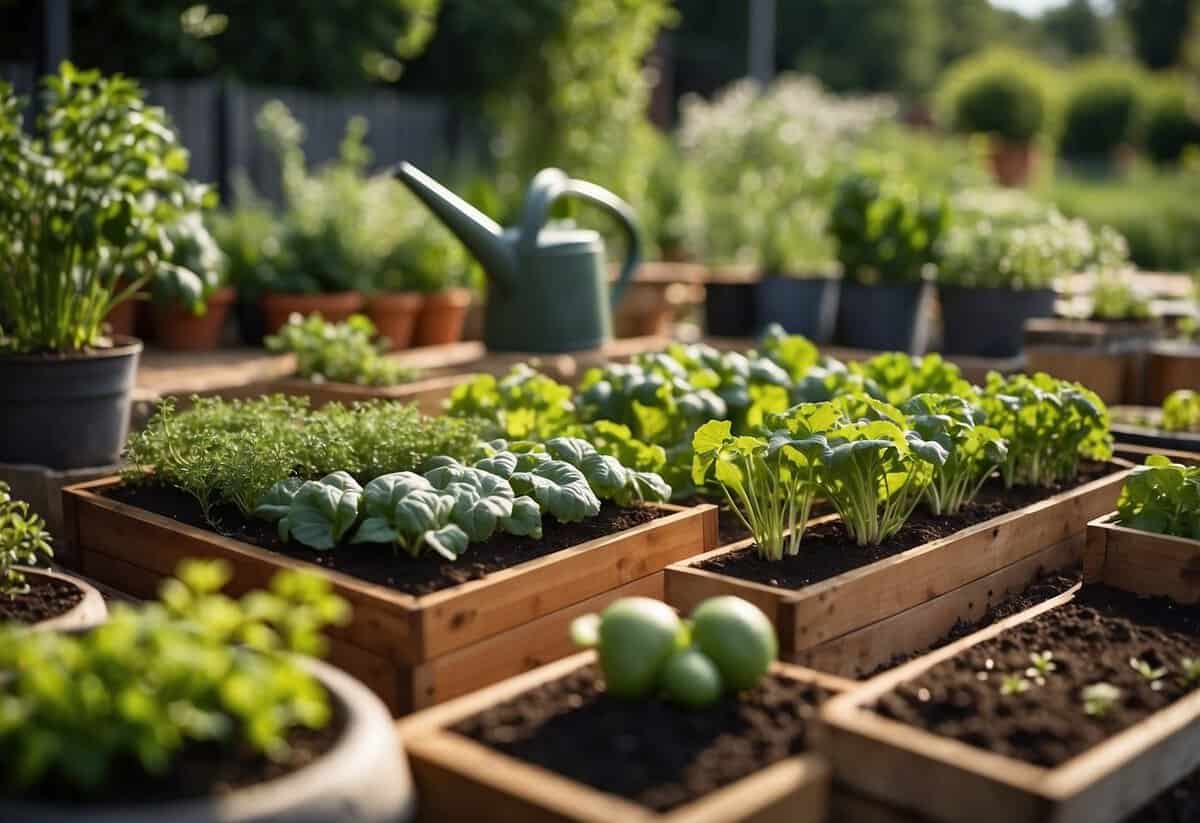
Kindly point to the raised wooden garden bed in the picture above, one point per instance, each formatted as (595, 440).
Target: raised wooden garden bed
(937, 777)
(1172, 366)
(1142, 426)
(1108, 357)
(414, 651)
(842, 621)
(459, 778)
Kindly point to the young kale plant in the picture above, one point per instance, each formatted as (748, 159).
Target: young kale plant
(1162, 497)
(195, 670)
(344, 352)
(23, 539)
(973, 451)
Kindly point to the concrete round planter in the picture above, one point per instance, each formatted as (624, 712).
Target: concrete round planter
(91, 611)
(364, 778)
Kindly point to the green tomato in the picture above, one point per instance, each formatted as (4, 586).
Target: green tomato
(737, 637)
(692, 679)
(637, 635)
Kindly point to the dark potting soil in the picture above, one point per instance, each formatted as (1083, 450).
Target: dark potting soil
(1040, 590)
(1093, 638)
(828, 550)
(200, 770)
(377, 564)
(46, 598)
(648, 751)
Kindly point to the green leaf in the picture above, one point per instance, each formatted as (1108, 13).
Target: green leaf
(276, 502)
(525, 519)
(560, 489)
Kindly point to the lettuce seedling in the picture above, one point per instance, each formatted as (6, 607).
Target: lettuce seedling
(973, 452)
(484, 503)
(523, 404)
(608, 478)
(769, 482)
(1162, 497)
(559, 488)
(23, 539)
(1181, 411)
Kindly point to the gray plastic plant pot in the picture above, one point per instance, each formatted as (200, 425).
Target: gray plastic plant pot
(363, 779)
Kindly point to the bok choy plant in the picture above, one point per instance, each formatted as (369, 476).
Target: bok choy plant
(1048, 424)
(770, 482)
(973, 451)
(877, 470)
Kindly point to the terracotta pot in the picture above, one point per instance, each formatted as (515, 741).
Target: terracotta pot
(333, 306)
(442, 317)
(395, 315)
(1012, 163)
(180, 330)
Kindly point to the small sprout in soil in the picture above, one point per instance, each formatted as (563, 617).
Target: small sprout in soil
(1013, 684)
(645, 649)
(1191, 670)
(1099, 698)
(1150, 673)
(1043, 665)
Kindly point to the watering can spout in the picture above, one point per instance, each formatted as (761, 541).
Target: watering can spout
(482, 236)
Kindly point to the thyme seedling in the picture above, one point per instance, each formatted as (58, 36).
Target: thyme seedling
(1013, 684)
(1043, 665)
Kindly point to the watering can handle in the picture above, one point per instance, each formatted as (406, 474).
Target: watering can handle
(551, 184)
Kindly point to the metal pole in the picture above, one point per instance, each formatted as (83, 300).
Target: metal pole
(56, 35)
(761, 50)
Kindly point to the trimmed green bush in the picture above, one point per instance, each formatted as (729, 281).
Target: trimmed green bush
(1002, 92)
(1101, 110)
(1172, 120)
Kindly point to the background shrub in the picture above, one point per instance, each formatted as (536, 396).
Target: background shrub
(1101, 109)
(1172, 120)
(1003, 92)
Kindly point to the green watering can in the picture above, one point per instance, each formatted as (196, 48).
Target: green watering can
(547, 287)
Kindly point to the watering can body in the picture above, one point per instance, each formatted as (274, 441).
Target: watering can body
(548, 288)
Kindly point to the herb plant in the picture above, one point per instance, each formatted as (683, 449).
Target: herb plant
(232, 452)
(195, 669)
(346, 352)
(1181, 411)
(83, 201)
(1162, 497)
(1013, 684)
(1099, 699)
(644, 649)
(23, 539)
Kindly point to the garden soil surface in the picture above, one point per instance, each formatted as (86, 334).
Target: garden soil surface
(46, 598)
(827, 549)
(1040, 590)
(1093, 638)
(202, 770)
(378, 564)
(648, 751)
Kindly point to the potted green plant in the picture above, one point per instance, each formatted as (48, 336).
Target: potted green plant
(886, 235)
(198, 707)
(800, 285)
(38, 597)
(324, 261)
(195, 267)
(993, 276)
(77, 212)
(1004, 94)
(1102, 109)
(438, 268)
(250, 237)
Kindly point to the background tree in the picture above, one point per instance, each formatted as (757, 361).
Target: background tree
(1160, 29)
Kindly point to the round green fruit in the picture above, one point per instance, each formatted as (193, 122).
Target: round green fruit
(690, 678)
(737, 637)
(637, 635)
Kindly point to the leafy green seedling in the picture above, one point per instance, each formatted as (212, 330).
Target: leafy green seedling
(1190, 666)
(1099, 699)
(1043, 666)
(23, 539)
(1013, 684)
(1152, 674)
(1162, 497)
(343, 352)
